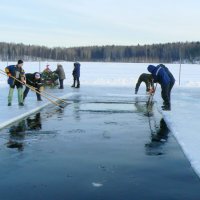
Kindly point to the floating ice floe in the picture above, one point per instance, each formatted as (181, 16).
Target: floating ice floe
(97, 184)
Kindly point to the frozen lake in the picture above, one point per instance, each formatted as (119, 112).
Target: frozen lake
(104, 145)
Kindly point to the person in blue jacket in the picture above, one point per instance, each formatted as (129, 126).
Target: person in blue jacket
(172, 79)
(17, 72)
(161, 76)
(76, 74)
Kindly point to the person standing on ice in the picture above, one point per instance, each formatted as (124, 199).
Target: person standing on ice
(160, 76)
(76, 74)
(35, 81)
(17, 72)
(47, 69)
(148, 80)
(61, 75)
(172, 79)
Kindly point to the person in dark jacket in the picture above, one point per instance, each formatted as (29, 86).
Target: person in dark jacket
(61, 75)
(172, 79)
(160, 76)
(147, 79)
(76, 74)
(35, 81)
(17, 72)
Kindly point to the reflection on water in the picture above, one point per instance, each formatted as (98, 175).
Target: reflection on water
(159, 130)
(34, 123)
(158, 139)
(76, 104)
(144, 108)
(17, 135)
(50, 111)
(162, 134)
(18, 132)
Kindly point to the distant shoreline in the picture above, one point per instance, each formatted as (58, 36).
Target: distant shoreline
(179, 52)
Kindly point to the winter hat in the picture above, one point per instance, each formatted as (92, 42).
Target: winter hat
(76, 64)
(37, 75)
(161, 65)
(150, 68)
(20, 62)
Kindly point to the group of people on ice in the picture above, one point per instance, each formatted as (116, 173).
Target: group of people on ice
(159, 74)
(18, 78)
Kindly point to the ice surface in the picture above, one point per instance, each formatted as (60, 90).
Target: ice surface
(10, 114)
(183, 120)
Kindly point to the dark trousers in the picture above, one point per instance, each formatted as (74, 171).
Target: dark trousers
(147, 86)
(76, 79)
(170, 88)
(61, 83)
(165, 93)
(17, 84)
(26, 91)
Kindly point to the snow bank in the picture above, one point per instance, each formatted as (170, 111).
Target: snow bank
(183, 121)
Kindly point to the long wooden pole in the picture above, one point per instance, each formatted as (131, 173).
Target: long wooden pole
(32, 88)
(53, 96)
(47, 93)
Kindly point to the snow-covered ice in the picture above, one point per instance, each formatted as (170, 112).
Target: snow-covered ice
(183, 120)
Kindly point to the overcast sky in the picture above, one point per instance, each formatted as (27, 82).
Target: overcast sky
(69, 23)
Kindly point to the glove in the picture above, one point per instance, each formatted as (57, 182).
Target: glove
(151, 91)
(24, 82)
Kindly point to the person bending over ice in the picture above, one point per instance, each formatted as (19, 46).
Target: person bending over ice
(148, 80)
(35, 81)
(161, 76)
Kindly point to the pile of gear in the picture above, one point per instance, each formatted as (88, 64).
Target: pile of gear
(49, 77)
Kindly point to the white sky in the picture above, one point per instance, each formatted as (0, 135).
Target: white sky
(99, 22)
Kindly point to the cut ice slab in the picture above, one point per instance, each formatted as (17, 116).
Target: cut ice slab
(108, 107)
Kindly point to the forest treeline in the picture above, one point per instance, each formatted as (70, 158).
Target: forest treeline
(166, 53)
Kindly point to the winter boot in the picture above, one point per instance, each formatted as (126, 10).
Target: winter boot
(38, 96)
(73, 85)
(166, 108)
(20, 96)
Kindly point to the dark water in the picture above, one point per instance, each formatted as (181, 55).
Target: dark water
(98, 147)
